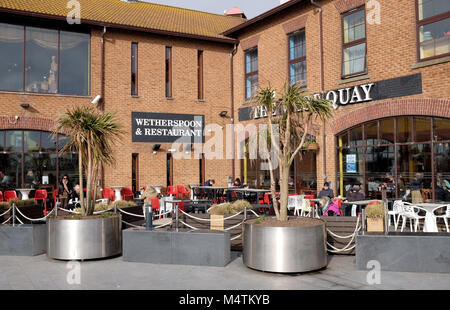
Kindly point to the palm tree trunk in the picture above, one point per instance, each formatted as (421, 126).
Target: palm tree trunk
(284, 190)
(89, 180)
(80, 172)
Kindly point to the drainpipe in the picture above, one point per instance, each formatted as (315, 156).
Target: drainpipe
(233, 161)
(322, 89)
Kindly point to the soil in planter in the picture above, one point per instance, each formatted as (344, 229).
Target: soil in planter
(292, 222)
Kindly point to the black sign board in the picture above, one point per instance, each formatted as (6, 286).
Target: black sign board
(167, 128)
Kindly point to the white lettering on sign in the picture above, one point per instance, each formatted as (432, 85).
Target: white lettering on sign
(340, 97)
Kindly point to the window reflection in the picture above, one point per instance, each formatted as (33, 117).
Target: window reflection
(442, 168)
(11, 54)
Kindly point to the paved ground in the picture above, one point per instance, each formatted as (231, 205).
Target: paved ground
(42, 273)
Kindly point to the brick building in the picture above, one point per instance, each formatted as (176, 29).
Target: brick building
(385, 64)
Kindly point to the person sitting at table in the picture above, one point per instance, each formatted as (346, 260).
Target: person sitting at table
(210, 182)
(30, 180)
(74, 202)
(237, 182)
(355, 194)
(65, 190)
(326, 191)
(443, 188)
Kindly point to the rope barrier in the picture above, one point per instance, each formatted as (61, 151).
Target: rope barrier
(210, 220)
(193, 228)
(7, 220)
(34, 220)
(131, 214)
(235, 226)
(161, 226)
(237, 237)
(6, 211)
(346, 248)
(132, 225)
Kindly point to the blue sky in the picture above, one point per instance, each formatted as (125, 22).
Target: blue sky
(251, 8)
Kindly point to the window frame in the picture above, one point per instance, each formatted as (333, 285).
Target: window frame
(168, 72)
(251, 74)
(135, 91)
(423, 22)
(296, 60)
(58, 28)
(354, 43)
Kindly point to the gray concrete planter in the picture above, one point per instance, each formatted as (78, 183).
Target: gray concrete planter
(405, 252)
(285, 249)
(71, 239)
(200, 248)
(23, 240)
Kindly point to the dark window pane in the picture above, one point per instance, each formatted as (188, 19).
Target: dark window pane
(343, 139)
(168, 72)
(422, 129)
(356, 138)
(306, 172)
(11, 166)
(354, 59)
(354, 27)
(371, 133)
(251, 86)
(11, 55)
(14, 141)
(48, 142)
(62, 141)
(39, 169)
(297, 46)
(442, 166)
(387, 131)
(441, 129)
(41, 68)
(430, 8)
(297, 73)
(32, 141)
(350, 169)
(414, 161)
(68, 164)
(2, 140)
(404, 129)
(380, 171)
(75, 63)
(434, 38)
(134, 48)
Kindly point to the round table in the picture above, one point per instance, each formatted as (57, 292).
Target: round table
(430, 219)
(117, 191)
(25, 192)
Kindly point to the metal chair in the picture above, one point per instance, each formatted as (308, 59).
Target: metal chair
(41, 194)
(395, 213)
(409, 212)
(127, 192)
(109, 193)
(154, 201)
(444, 216)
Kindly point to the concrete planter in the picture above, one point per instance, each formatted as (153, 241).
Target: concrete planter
(405, 252)
(71, 239)
(200, 248)
(285, 249)
(23, 240)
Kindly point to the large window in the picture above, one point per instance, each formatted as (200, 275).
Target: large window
(390, 153)
(30, 159)
(297, 58)
(40, 60)
(134, 69)
(168, 72)
(251, 73)
(354, 43)
(200, 83)
(433, 26)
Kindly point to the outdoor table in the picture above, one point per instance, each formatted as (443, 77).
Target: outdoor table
(117, 190)
(156, 187)
(359, 204)
(254, 191)
(25, 192)
(430, 219)
(212, 189)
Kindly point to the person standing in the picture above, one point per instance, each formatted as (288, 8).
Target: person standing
(65, 190)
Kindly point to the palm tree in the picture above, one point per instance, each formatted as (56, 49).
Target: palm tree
(92, 134)
(293, 114)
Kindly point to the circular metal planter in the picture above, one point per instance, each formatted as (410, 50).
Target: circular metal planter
(285, 249)
(71, 239)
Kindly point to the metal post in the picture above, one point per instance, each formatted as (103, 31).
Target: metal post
(56, 209)
(149, 217)
(245, 214)
(115, 208)
(176, 217)
(363, 220)
(14, 214)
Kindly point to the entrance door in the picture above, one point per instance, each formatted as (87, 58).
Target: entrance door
(135, 173)
(169, 166)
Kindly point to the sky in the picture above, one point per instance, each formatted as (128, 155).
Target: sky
(251, 8)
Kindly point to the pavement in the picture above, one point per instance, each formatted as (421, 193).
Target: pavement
(42, 273)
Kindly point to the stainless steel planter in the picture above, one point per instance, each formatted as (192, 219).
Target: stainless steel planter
(285, 249)
(84, 239)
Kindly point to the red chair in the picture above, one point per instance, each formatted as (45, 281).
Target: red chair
(1, 196)
(310, 197)
(155, 204)
(127, 192)
(182, 191)
(109, 193)
(172, 190)
(55, 197)
(41, 194)
(10, 195)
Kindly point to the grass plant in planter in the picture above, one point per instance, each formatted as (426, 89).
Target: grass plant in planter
(375, 215)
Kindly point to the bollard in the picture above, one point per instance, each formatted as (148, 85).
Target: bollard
(115, 208)
(363, 220)
(149, 217)
(176, 217)
(245, 214)
(14, 214)
(56, 209)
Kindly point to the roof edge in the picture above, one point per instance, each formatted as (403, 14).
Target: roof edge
(262, 16)
(123, 27)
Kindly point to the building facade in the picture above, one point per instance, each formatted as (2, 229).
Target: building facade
(384, 64)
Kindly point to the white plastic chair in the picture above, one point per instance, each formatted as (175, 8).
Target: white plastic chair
(305, 207)
(395, 213)
(409, 212)
(445, 216)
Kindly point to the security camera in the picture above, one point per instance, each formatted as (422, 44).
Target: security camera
(96, 99)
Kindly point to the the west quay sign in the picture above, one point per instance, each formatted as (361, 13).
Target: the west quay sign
(386, 89)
